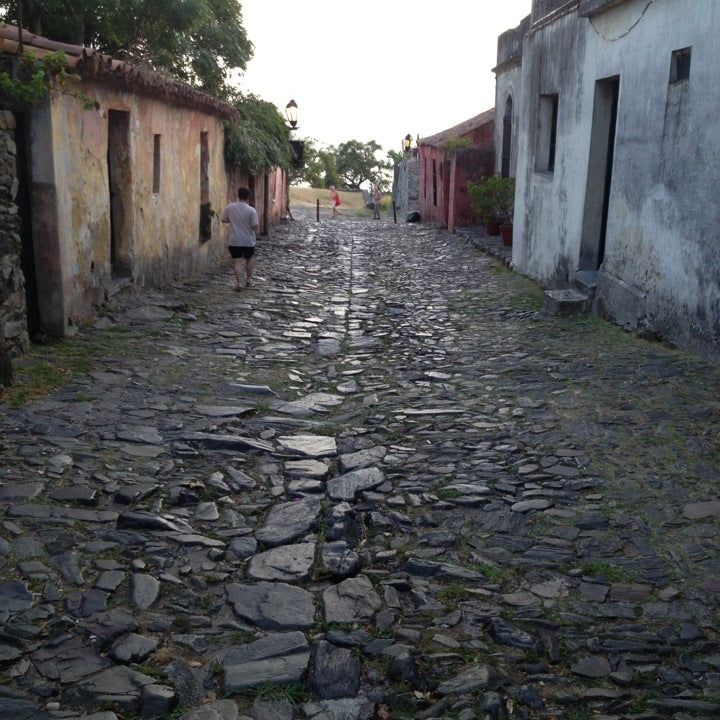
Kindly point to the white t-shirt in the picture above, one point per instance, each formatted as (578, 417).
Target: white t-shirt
(243, 220)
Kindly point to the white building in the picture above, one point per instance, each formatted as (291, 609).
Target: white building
(618, 159)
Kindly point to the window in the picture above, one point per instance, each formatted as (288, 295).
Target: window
(680, 65)
(156, 164)
(546, 133)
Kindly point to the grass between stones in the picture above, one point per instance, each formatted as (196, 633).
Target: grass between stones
(295, 693)
(611, 572)
(45, 368)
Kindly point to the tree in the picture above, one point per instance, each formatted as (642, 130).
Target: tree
(320, 168)
(357, 163)
(194, 41)
(258, 138)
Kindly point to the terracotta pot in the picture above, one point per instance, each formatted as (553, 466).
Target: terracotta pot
(492, 228)
(506, 233)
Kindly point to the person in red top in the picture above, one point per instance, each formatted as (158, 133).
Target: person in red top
(334, 200)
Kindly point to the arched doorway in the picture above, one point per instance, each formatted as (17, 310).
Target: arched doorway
(507, 138)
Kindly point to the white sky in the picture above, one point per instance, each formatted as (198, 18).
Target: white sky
(377, 69)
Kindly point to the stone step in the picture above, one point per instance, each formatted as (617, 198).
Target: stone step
(117, 285)
(585, 281)
(566, 302)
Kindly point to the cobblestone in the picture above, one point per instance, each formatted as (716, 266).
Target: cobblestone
(378, 484)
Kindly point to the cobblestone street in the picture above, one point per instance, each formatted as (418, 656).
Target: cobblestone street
(444, 504)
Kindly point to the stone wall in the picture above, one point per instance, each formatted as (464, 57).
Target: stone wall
(406, 187)
(13, 322)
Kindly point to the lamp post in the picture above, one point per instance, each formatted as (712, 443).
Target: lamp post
(298, 148)
(407, 142)
(291, 113)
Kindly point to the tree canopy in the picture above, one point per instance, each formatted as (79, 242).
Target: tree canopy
(258, 138)
(357, 163)
(195, 41)
(319, 168)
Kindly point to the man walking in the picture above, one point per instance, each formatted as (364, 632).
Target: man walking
(243, 221)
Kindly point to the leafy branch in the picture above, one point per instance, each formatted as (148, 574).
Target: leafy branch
(38, 77)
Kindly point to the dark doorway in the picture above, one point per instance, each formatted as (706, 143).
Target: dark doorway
(266, 205)
(600, 170)
(27, 249)
(507, 139)
(120, 186)
(251, 186)
(205, 207)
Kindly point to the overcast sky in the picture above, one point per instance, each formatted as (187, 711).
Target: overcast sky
(377, 69)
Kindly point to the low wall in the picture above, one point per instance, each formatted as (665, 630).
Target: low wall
(13, 323)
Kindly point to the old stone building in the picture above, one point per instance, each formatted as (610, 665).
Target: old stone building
(444, 173)
(128, 192)
(618, 159)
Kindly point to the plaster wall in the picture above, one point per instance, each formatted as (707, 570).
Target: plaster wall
(662, 256)
(277, 194)
(433, 193)
(162, 227)
(508, 83)
(468, 164)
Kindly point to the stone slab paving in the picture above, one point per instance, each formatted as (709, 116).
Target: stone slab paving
(379, 484)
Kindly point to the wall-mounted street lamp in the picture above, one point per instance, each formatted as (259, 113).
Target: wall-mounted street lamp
(291, 113)
(407, 142)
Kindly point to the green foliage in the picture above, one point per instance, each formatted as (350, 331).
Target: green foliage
(320, 169)
(612, 572)
(37, 77)
(456, 143)
(258, 139)
(491, 573)
(195, 41)
(493, 199)
(357, 162)
(295, 693)
(396, 156)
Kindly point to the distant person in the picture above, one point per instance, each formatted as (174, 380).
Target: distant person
(244, 223)
(334, 200)
(377, 199)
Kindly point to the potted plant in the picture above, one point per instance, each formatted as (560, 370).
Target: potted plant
(493, 200)
(483, 204)
(505, 207)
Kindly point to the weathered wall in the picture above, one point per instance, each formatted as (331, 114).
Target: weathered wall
(13, 325)
(508, 83)
(433, 205)
(451, 207)
(662, 258)
(277, 194)
(162, 227)
(406, 186)
(469, 164)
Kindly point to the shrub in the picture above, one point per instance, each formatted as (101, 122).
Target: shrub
(456, 143)
(493, 199)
